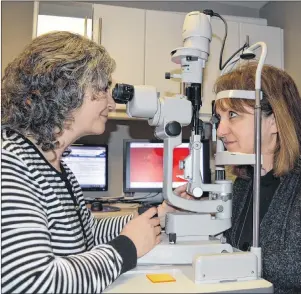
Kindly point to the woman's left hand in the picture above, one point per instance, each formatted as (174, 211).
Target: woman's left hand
(165, 208)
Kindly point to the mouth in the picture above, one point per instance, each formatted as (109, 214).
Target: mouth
(229, 143)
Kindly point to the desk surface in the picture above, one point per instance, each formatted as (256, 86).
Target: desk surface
(135, 281)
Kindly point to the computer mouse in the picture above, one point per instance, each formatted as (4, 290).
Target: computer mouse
(96, 206)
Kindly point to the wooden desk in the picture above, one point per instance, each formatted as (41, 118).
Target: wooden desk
(125, 209)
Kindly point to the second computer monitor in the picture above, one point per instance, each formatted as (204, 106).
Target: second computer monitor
(143, 165)
(89, 164)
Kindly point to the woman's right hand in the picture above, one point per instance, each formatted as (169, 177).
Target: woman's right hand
(181, 191)
(144, 231)
(165, 208)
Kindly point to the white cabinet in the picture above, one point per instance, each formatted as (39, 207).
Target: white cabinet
(141, 41)
(163, 33)
(272, 36)
(121, 31)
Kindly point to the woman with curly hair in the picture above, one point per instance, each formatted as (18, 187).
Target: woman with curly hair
(55, 92)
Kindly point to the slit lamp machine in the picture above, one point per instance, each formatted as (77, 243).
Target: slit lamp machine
(193, 249)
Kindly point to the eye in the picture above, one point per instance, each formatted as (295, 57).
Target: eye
(108, 86)
(232, 114)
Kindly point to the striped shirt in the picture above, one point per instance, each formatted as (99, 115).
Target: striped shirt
(51, 243)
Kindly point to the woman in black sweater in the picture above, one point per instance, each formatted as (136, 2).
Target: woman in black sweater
(280, 204)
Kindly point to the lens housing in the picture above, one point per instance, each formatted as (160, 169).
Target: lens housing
(123, 93)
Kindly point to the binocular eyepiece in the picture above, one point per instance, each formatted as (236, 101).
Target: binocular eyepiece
(123, 93)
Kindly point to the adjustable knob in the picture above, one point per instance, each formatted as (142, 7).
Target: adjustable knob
(197, 192)
(173, 129)
(247, 55)
(172, 238)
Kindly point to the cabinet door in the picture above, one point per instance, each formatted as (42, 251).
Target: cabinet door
(212, 72)
(272, 36)
(121, 31)
(163, 33)
(64, 16)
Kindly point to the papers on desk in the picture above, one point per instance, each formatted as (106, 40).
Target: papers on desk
(160, 278)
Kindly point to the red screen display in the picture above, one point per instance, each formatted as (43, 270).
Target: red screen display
(146, 165)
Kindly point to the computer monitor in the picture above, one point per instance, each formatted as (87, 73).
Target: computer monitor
(89, 163)
(143, 165)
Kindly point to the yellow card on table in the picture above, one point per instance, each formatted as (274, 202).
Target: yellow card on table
(160, 278)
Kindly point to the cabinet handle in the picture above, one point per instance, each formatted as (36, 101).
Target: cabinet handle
(100, 31)
(36, 8)
(248, 40)
(85, 27)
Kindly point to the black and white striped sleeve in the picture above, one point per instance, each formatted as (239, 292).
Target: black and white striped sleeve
(107, 229)
(28, 262)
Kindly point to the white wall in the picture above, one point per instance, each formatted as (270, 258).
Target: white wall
(16, 29)
(286, 15)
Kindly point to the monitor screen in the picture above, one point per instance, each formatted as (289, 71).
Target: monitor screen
(89, 163)
(143, 165)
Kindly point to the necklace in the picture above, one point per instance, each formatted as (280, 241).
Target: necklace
(243, 225)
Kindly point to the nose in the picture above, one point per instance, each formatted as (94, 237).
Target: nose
(111, 102)
(223, 128)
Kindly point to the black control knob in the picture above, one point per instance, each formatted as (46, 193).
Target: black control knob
(167, 75)
(247, 56)
(173, 129)
(144, 208)
(172, 238)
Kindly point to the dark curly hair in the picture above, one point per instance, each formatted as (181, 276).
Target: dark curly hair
(48, 80)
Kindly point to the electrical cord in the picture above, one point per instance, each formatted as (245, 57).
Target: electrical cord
(122, 200)
(221, 65)
(138, 199)
(229, 59)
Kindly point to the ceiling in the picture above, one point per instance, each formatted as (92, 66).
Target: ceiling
(250, 4)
